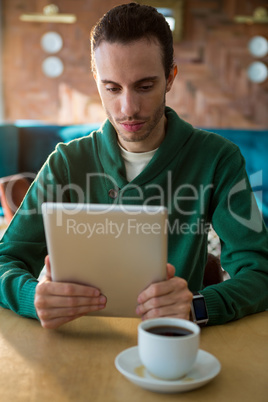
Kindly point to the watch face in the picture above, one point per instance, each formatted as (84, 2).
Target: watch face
(200, 308)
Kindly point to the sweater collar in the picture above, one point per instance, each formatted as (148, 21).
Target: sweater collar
(177, 134)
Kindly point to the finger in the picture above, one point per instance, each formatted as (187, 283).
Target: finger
(57, 322)
(69, 301)
(170, 271)
(169, 311)
(154, 290)
(155, 303)
(47, 315)
(48, 267)
(66, 289)
(179, 310)
(161, 289)
(178, 300)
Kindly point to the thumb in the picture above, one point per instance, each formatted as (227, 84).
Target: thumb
(170, 271)
(48, 268)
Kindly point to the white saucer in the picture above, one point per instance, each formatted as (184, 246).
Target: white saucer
(206, 367)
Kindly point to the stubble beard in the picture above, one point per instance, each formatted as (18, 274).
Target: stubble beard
(136, 137)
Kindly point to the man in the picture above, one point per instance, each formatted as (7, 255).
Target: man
(143, 146)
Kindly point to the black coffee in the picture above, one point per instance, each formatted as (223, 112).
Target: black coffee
(169, 330)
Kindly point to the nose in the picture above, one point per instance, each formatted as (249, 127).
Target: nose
(130, 105)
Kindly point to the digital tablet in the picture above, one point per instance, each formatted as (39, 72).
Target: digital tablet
(120, 249)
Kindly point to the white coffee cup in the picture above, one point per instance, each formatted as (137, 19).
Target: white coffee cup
(168, 357)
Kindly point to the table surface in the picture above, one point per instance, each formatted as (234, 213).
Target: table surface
(76, 361)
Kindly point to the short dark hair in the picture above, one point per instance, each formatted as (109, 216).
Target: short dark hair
(130, 22)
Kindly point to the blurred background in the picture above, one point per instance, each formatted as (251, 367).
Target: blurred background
(45, 64)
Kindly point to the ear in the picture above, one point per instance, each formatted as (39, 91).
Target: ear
(171, 77)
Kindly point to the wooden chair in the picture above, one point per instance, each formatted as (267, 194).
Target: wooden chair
(213, 271)
(12, 191)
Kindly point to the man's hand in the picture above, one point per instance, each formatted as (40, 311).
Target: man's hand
(57, 303)
(170, 298)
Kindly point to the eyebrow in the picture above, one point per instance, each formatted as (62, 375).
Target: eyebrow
(151, 78)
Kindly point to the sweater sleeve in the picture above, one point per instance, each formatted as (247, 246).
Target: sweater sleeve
(23, 246)
(244, 241)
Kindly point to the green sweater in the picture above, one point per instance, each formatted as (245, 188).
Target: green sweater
(199, 176)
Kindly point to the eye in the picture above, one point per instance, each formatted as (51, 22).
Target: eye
(146, 88)
(112, 89)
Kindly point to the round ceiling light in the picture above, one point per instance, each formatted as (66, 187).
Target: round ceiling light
(258, 46)
(51, 42)
(257, 72)
(52, 67)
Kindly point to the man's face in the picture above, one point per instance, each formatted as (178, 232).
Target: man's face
(132, 86)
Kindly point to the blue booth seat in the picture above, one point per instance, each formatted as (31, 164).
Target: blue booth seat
(253, 145)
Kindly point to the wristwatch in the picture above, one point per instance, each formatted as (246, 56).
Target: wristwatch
(199, 313)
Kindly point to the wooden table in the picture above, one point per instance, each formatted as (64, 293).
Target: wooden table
(76, 362)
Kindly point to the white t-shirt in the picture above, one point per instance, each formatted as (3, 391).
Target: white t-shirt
(135, 162)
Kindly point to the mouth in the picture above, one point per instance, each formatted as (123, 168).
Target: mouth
(133, 126)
